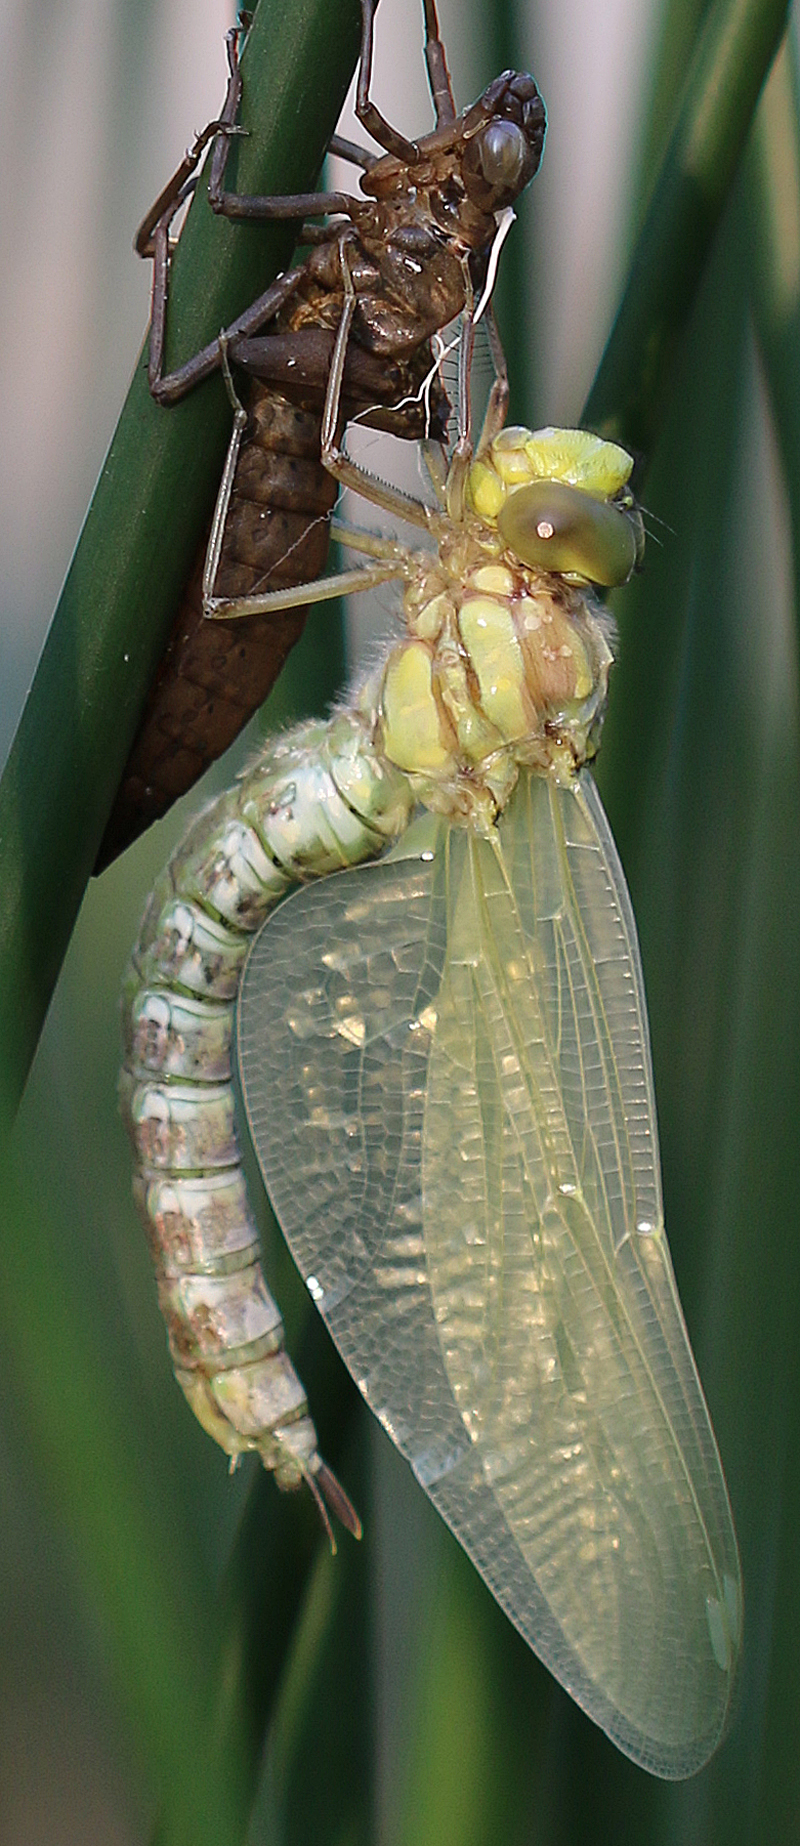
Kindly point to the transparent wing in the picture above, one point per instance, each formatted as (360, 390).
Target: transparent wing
(447, 1074)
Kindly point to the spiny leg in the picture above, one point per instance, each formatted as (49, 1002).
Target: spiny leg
(497, 406)
(434, 457)
(225, 608)
(225, 490)
(322, 590)
(498, 397)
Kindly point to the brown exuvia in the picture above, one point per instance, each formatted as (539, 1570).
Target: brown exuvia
(416, 249)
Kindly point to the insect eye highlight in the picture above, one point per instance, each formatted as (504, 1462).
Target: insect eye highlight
(551, 526)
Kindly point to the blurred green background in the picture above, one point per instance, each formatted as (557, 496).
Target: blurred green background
(135, 1659)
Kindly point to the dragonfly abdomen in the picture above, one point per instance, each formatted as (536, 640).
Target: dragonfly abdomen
(320, 799)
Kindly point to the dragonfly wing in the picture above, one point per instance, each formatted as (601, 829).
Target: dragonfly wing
(456, 1128)
(334, 1038)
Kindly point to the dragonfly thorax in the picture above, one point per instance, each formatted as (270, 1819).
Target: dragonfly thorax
(502, 666)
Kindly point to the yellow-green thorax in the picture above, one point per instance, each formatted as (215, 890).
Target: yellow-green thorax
(505, 662)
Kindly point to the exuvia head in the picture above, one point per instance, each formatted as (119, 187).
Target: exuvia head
(504, 131)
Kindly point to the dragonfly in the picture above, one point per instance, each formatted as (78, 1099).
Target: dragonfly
(444, 1055)
(419, 243)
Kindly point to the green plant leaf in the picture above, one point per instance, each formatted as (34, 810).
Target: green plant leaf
(155, 490)
(735, 47)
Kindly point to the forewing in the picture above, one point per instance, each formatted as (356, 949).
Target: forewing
(447, 1074)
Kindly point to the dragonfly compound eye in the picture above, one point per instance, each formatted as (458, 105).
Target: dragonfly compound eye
(504, 137)
(551, 526)
(502, 152)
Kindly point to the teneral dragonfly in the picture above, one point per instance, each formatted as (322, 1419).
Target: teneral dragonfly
(447, 1075)
(418, 245)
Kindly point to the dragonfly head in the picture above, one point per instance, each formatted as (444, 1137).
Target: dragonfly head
(561, 502)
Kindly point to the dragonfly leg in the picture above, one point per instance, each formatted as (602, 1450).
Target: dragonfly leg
(153, 240)
(265, 206)
(435, 459)
(462, 453)
(438, 77)
(226, 608)
(340, 465)
(497, 406)
(322, 590)
(170, 388)
(225, 490)
(438, 73)
(368, 113)
(177, 190)
(349, 150)
(498, 397)
(373, 544)
(184, 179)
